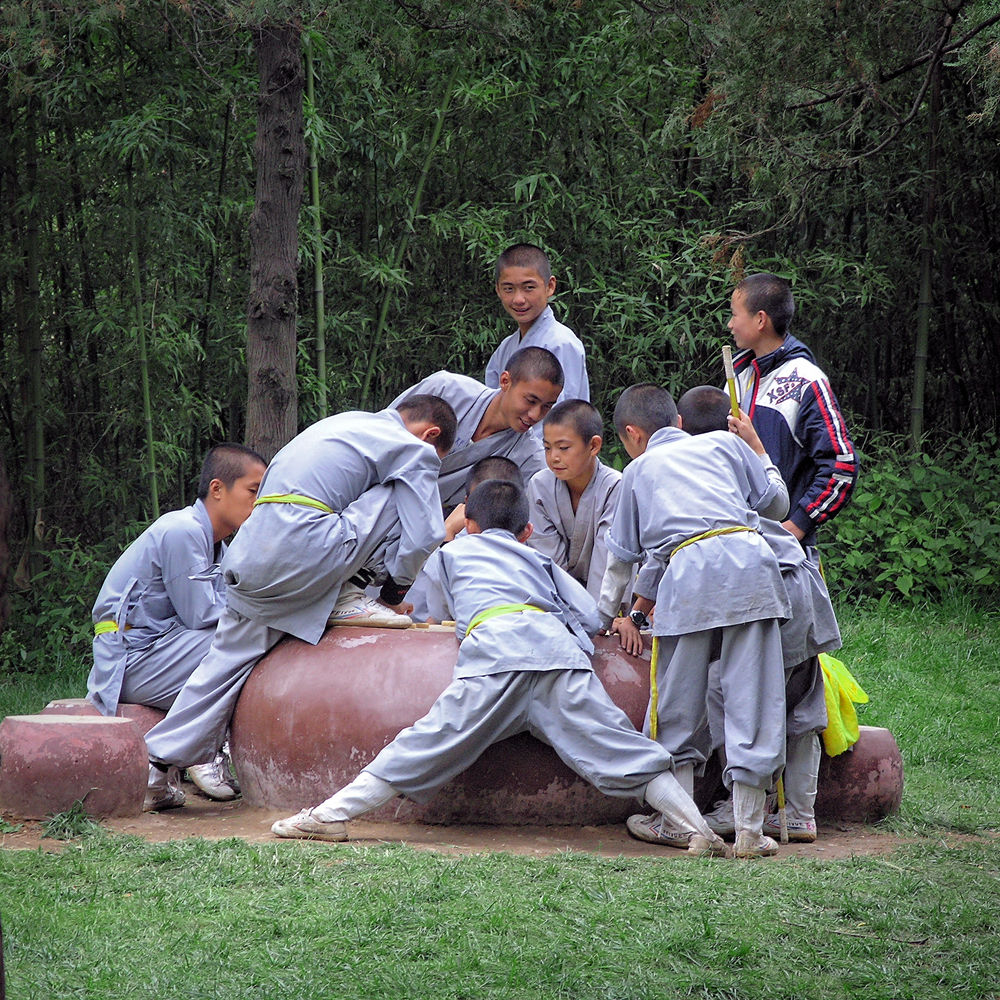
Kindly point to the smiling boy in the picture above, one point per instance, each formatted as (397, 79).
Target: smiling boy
(494, 421)
(524, 285)
(573, 501)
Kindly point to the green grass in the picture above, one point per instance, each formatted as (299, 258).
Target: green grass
(112, 917)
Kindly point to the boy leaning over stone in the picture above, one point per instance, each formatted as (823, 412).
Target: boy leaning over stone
(351, 500)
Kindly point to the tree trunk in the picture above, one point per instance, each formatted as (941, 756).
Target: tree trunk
(6, 503)
(272, 402)
(925, 301)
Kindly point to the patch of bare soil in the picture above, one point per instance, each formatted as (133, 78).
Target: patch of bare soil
(219, 820)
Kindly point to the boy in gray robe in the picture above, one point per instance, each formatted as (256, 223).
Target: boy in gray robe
(353, 496)
(812, 629)
(494, 421)
(523, 666)
(691, 504)
(573, 501)
(524, 285)
(157, 609)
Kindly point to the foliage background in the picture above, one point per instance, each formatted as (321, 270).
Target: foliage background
(658, 150)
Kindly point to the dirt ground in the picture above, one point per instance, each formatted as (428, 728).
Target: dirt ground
(201, 817)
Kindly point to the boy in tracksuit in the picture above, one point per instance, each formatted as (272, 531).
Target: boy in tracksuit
(791, 404)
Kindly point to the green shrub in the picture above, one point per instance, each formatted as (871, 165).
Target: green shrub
(920, 526)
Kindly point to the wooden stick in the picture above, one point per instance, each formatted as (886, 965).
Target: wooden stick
(782, 811)
(727, 363)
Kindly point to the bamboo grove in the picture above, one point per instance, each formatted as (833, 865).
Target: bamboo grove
(657, 149)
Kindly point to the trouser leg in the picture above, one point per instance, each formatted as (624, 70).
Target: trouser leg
(196, 724)
(364, 793)
(802, 775)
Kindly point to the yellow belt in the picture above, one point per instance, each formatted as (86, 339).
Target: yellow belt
(100, 628)
(294, 498)
(710, 534)
(500, 609)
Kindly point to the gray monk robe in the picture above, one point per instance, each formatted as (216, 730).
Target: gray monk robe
(156, 612)
(469, 399)
(720, 596)
(517, 671)
(810, 630)
(574, 540)
(290, 559)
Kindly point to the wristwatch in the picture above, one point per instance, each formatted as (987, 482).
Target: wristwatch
(639, 620)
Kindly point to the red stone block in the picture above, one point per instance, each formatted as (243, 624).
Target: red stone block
(142, 715)
(69, 706)
(865, 784)
(49, 761)
(310, 717)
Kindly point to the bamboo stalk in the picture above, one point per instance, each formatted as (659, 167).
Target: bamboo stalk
(727, 363)
(397, 257)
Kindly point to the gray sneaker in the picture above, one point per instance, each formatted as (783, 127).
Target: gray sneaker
(303, 826)
(161, 794)
(213, 779)
(720, 820)
(753, 845)
(654, 830)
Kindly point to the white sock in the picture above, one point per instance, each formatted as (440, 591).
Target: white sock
(666, 795)
(802, 759)
(684, 773)
(157, 780)
(364, 793)
(748, 808)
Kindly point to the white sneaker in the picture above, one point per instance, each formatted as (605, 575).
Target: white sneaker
(654, 830)
(354, 608)
(303, 826)
(161, 794)
(800, 831)
(753, 845)
(213, 779)
(720, 820)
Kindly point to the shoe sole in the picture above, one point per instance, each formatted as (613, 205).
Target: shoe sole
(331, 832)
(155, 807)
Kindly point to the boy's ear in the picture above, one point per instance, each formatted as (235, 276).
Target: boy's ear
(596, 443)
(215, 489)
(526, 532)
(505, 381)
(680, 422)
(431, 434)
(550, 285)
(472, 527)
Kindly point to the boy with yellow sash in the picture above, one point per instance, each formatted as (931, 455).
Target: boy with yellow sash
(523, 666)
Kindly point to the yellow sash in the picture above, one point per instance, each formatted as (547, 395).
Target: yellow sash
(107, 626)
(500, 609)
(710, 534)
(842, 692)
(294, 498)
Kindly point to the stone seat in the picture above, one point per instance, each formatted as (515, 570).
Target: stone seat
(49, 761)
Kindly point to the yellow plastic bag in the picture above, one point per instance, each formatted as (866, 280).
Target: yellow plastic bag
(842, 692)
